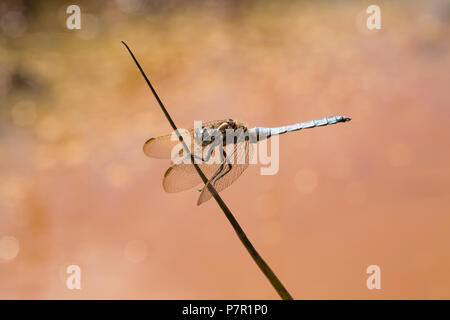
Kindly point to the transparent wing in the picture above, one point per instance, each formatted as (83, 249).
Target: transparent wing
(239, 160)
(161, 147)
(183, 176)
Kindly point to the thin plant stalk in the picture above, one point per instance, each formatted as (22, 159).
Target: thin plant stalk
(270, 275)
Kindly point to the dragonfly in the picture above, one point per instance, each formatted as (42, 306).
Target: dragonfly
(222, 149)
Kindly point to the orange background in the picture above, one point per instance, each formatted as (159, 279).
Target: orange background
(76, 188)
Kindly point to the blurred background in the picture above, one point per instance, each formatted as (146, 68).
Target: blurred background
(76, 188)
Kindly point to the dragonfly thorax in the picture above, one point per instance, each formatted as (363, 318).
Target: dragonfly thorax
(215, 134)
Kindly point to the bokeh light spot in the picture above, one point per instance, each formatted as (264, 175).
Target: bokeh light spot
(9, 248)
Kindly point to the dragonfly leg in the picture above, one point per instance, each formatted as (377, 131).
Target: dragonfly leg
(229, 167)
(210, 151)
(222, 166)
(207, 157)
(215, 175)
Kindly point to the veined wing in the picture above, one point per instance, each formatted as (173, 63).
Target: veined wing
(161, 147)
(183, 176)
(239, 160)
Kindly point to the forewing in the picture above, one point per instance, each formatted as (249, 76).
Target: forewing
(161, 147)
